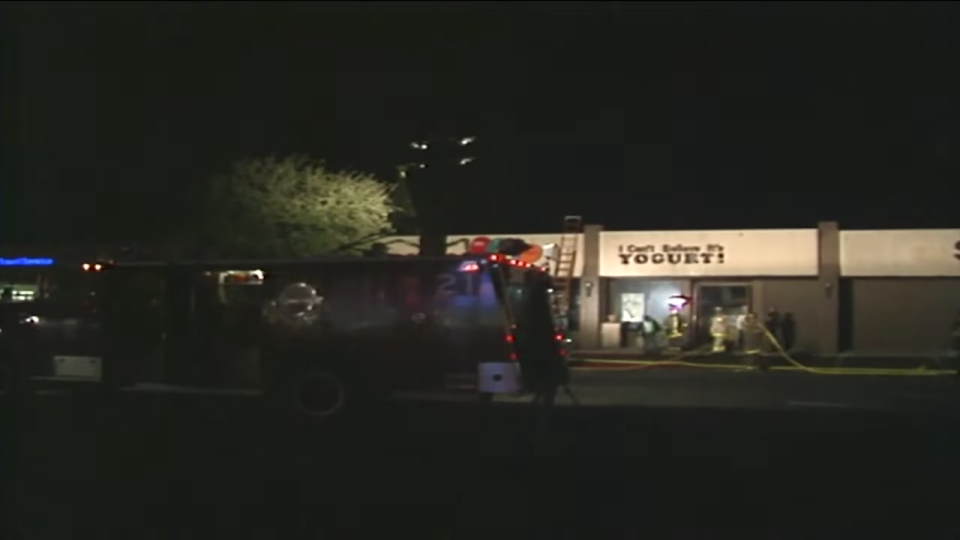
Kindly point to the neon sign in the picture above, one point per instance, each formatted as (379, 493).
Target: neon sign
(26, 261)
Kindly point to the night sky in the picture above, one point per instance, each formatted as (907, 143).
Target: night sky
(634, 115)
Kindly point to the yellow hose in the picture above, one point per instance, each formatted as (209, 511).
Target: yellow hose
(633, 365)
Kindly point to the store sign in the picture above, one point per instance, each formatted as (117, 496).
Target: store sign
(543, 250)
(672, 254)
(791, 252)
(900, 253)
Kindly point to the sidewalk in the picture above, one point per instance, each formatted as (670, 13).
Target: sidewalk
(943, 360)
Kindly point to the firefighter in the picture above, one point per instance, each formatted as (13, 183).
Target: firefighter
(718, 330)
(674, 328)
(774, 324)
(650, 330)
(741, 319)
(753, 340)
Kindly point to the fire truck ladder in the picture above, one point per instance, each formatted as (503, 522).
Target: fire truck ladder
(565, 265)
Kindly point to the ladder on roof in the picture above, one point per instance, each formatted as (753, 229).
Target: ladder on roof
(565, 265)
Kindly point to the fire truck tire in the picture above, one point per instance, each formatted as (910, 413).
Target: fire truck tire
(320, 392)
(317, 393)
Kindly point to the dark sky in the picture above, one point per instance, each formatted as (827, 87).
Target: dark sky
(635, 115)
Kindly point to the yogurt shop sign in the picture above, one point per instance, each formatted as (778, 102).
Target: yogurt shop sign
(792, 252)
(672, 254)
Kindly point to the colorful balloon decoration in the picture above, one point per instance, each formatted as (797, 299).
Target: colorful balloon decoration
(531, 255)
(479, 245)
(484, 244)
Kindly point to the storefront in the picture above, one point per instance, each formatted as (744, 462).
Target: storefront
(733, 272)
(900, 290)
(895, 291)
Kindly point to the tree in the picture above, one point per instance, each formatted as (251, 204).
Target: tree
(292, 206)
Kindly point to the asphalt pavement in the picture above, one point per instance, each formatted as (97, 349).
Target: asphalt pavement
(685, 450)
(773, 390)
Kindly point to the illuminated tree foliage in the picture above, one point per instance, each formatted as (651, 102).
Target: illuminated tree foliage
(293, 206)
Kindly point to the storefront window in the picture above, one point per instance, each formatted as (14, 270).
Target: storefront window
(631, 299)
(732, 301)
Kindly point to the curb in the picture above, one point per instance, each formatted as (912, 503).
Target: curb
(775, 361)
(639, 365)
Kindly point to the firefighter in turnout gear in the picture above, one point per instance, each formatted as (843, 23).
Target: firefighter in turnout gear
(753, 340)
(674, 328)
(718, 331)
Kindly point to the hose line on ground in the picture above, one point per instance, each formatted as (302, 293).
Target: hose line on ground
(793, 364)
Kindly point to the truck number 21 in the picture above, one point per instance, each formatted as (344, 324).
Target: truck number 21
(449, 284)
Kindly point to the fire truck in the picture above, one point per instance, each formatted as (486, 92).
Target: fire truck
(318, 336)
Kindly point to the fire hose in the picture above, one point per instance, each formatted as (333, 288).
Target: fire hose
(793, 364)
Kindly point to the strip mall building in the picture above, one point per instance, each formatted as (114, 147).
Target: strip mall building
(889, 291)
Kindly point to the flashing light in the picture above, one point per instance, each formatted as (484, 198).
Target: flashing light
(496, 257)
(678, 301)
(511, 341)
(26, 261)
(96, 267)
(469, 266)
(518, 263)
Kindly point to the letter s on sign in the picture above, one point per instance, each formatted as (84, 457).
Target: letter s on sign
(957, 248)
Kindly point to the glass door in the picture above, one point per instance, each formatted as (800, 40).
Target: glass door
(731, 300)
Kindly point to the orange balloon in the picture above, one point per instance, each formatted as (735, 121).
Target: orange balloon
(532, 255)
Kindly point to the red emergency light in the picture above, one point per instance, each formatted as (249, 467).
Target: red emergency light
(469, 266)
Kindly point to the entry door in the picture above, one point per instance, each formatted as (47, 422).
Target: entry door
(733, 299)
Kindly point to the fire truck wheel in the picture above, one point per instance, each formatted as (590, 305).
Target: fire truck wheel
(320, 393)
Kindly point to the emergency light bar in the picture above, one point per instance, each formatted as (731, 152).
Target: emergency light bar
(26, 261)
(474, 266)
(469, 266)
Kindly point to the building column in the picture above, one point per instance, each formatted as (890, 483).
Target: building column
(590, 289)
(829, 281)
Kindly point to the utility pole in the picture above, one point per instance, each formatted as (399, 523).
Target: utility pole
(434, 177)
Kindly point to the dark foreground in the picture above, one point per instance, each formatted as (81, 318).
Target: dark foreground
(215, 465)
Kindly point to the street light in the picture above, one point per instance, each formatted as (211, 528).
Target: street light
(445, 153)
(432, 191)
